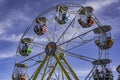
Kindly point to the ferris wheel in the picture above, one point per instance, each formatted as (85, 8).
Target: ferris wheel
(48, 44)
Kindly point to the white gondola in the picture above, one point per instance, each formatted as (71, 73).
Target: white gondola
(41, 26)
(62, 15)
(103, 37)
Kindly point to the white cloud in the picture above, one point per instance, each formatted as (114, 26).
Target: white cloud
(12, 38)
(7, 55)
(99, 4)
(82, 73)
(12, 19)
(5, 25)
(2, 1)
(119, 7)
(114, 22)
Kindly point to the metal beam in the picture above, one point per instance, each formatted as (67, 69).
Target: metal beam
(45, 68)
(39, 68)
(75, 37)
(32, 57)
(62, 67)
(71, 70)
(52, 71)
(80, 56)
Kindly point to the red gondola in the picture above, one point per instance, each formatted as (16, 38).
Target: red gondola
(89, 22)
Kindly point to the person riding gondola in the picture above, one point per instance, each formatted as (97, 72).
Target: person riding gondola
(108, 75)
(62, 15)
(96, 75)
(86, 24)
(41, 26)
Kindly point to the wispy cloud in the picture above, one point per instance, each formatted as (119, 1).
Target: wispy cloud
(82, 73)
(99, 4)
(11, 19)
(5, 25)
(113, 22)
(119, 7)
(2, 1)
(7, 54)
(12, 38)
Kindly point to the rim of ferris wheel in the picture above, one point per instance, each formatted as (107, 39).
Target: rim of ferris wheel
(89, 22)
(86, 10)
(102, 29)
(102, 62)
(21, 65)
(51, 48)
(27, 40)
(118, 69)
(108, 43)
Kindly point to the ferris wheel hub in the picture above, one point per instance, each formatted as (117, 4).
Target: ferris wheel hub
(51, 48)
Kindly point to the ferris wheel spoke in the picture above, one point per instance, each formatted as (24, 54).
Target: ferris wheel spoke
(56, 75)
(50, 68)
(32, 57)
(75, 37)
(43, 75)
(96, 20)
(49, 37)
(33, 65)
(55, 35)
(39, 45)
(79, 56)
(90, 73)
(79, 44)
(66, 29)
(52, 71)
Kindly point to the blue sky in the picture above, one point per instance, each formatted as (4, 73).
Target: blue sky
(15, 15)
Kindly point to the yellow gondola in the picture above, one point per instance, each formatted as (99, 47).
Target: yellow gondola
(19, 77)
(19, 72)
(106, 45)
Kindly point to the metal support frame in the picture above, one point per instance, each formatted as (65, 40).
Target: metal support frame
(58, 59)
(39, 68)
(50, 74)
(62, 67)
(71, 70)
